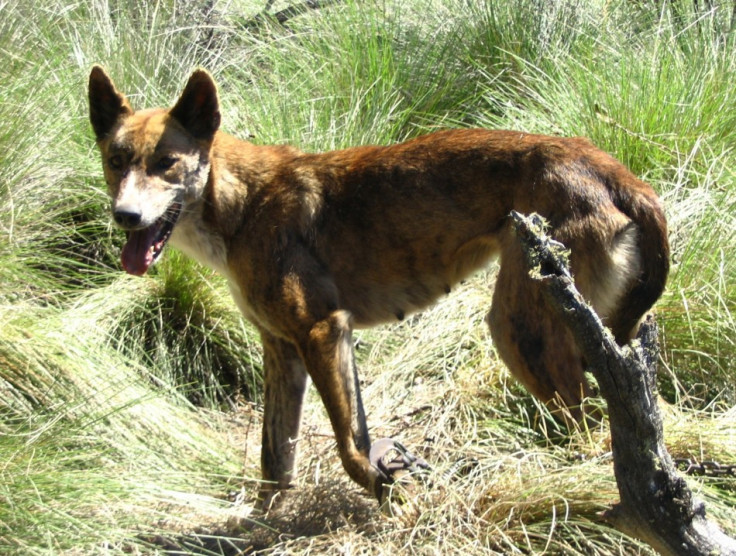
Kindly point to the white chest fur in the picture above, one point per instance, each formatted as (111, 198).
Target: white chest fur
(204, 246)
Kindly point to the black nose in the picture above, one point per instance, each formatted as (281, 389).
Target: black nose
(127, 218)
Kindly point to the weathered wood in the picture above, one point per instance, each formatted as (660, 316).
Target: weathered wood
(656, 506)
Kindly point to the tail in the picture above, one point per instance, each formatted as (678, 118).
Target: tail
(644, 209)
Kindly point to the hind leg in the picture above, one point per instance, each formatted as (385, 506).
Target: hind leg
(536, 347)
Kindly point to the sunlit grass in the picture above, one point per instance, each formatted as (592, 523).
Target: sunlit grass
(91, 441)
(126, 404)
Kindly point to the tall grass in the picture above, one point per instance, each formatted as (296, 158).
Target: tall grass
(126, 403)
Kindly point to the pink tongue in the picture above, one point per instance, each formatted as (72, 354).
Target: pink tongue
(137, 254)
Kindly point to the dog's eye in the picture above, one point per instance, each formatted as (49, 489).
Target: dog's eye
(166, 162)
(115, 162)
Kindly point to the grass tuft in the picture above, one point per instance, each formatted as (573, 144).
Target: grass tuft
(129, 408)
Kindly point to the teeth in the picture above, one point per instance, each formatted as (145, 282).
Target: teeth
(166, 224)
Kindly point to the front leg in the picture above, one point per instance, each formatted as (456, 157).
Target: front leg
(300, 306)
(328, 353)
(285, 382)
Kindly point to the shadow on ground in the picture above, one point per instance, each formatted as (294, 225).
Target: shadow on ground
(302, 514)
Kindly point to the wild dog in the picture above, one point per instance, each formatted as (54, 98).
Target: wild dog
(315, 245)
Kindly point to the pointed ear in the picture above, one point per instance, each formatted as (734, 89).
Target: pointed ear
(198, 109)
(106, 104)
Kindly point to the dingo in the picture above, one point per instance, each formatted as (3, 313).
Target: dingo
(314, 245)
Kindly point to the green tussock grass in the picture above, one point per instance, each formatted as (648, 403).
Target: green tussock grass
(130, 408)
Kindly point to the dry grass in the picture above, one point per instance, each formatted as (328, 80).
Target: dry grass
(502, 480)
(101, 447)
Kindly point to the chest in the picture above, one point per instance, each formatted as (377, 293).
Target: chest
(201, 244)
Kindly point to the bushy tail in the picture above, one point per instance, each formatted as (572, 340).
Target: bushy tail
(654, 251)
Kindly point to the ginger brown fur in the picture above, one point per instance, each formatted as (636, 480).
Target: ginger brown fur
(314, 245)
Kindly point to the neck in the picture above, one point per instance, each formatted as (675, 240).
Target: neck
(239, 172)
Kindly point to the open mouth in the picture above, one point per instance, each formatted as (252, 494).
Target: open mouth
(144, 246)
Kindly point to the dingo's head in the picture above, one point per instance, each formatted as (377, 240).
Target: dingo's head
(156, 162)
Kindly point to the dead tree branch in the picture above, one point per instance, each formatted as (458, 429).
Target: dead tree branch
(283, 16)
(656, 504)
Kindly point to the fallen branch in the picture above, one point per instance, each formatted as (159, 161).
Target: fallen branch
(282, 16)
(656, 504)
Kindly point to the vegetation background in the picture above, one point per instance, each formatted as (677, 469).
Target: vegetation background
(129, 408)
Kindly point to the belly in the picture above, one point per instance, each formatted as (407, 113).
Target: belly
(374, 297)
(379, 304)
